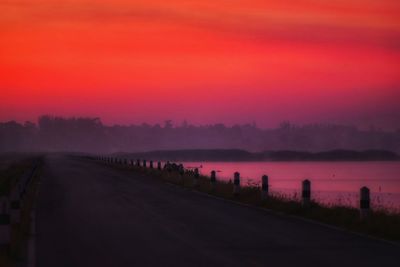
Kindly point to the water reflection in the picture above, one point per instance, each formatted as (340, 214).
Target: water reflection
(332, 182)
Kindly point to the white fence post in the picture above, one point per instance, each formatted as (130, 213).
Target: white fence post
(236, 184)
(213, 180)
(364, 203)
(264, 187)
(196, 177)
(5, 226)
(15, 205)
(306, 193)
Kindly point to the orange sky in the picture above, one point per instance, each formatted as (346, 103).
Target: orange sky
(231, 61)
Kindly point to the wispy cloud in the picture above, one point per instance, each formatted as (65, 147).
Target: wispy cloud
(372, 23)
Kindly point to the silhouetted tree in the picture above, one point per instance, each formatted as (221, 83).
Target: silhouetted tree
(89, 134)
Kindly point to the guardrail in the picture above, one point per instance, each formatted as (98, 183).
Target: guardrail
(364, 196)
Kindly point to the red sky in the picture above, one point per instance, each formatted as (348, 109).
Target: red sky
(207, 61)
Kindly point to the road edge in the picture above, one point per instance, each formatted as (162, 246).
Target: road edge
(289, 216)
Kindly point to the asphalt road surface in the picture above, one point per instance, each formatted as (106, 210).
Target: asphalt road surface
(92, 215)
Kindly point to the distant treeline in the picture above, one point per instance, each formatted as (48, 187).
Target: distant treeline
(91, 135)
(242, 155)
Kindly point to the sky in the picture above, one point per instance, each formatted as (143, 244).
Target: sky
(208, 61)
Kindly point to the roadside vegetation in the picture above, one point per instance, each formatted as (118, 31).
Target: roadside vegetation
(15, 253)
(382, 223)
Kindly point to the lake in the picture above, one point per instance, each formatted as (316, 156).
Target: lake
(332, 182)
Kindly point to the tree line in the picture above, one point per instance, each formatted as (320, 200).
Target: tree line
(79, 134)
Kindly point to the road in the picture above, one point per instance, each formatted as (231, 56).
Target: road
(93, 215)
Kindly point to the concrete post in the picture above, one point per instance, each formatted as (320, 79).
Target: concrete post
(15, 205)
(5, 226)
(236, 184)
(181, 171)
(364, 203)
(306, 193)
(213, 180)
(196, 177)
(264, 187)
(168, 166)
(21, 190)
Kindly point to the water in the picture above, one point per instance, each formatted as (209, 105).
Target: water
(332, 182)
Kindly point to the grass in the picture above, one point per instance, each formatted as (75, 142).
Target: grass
(9, 176)
(382, 223)
(14, 253)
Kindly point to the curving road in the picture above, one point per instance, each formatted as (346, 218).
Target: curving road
(92, 215)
